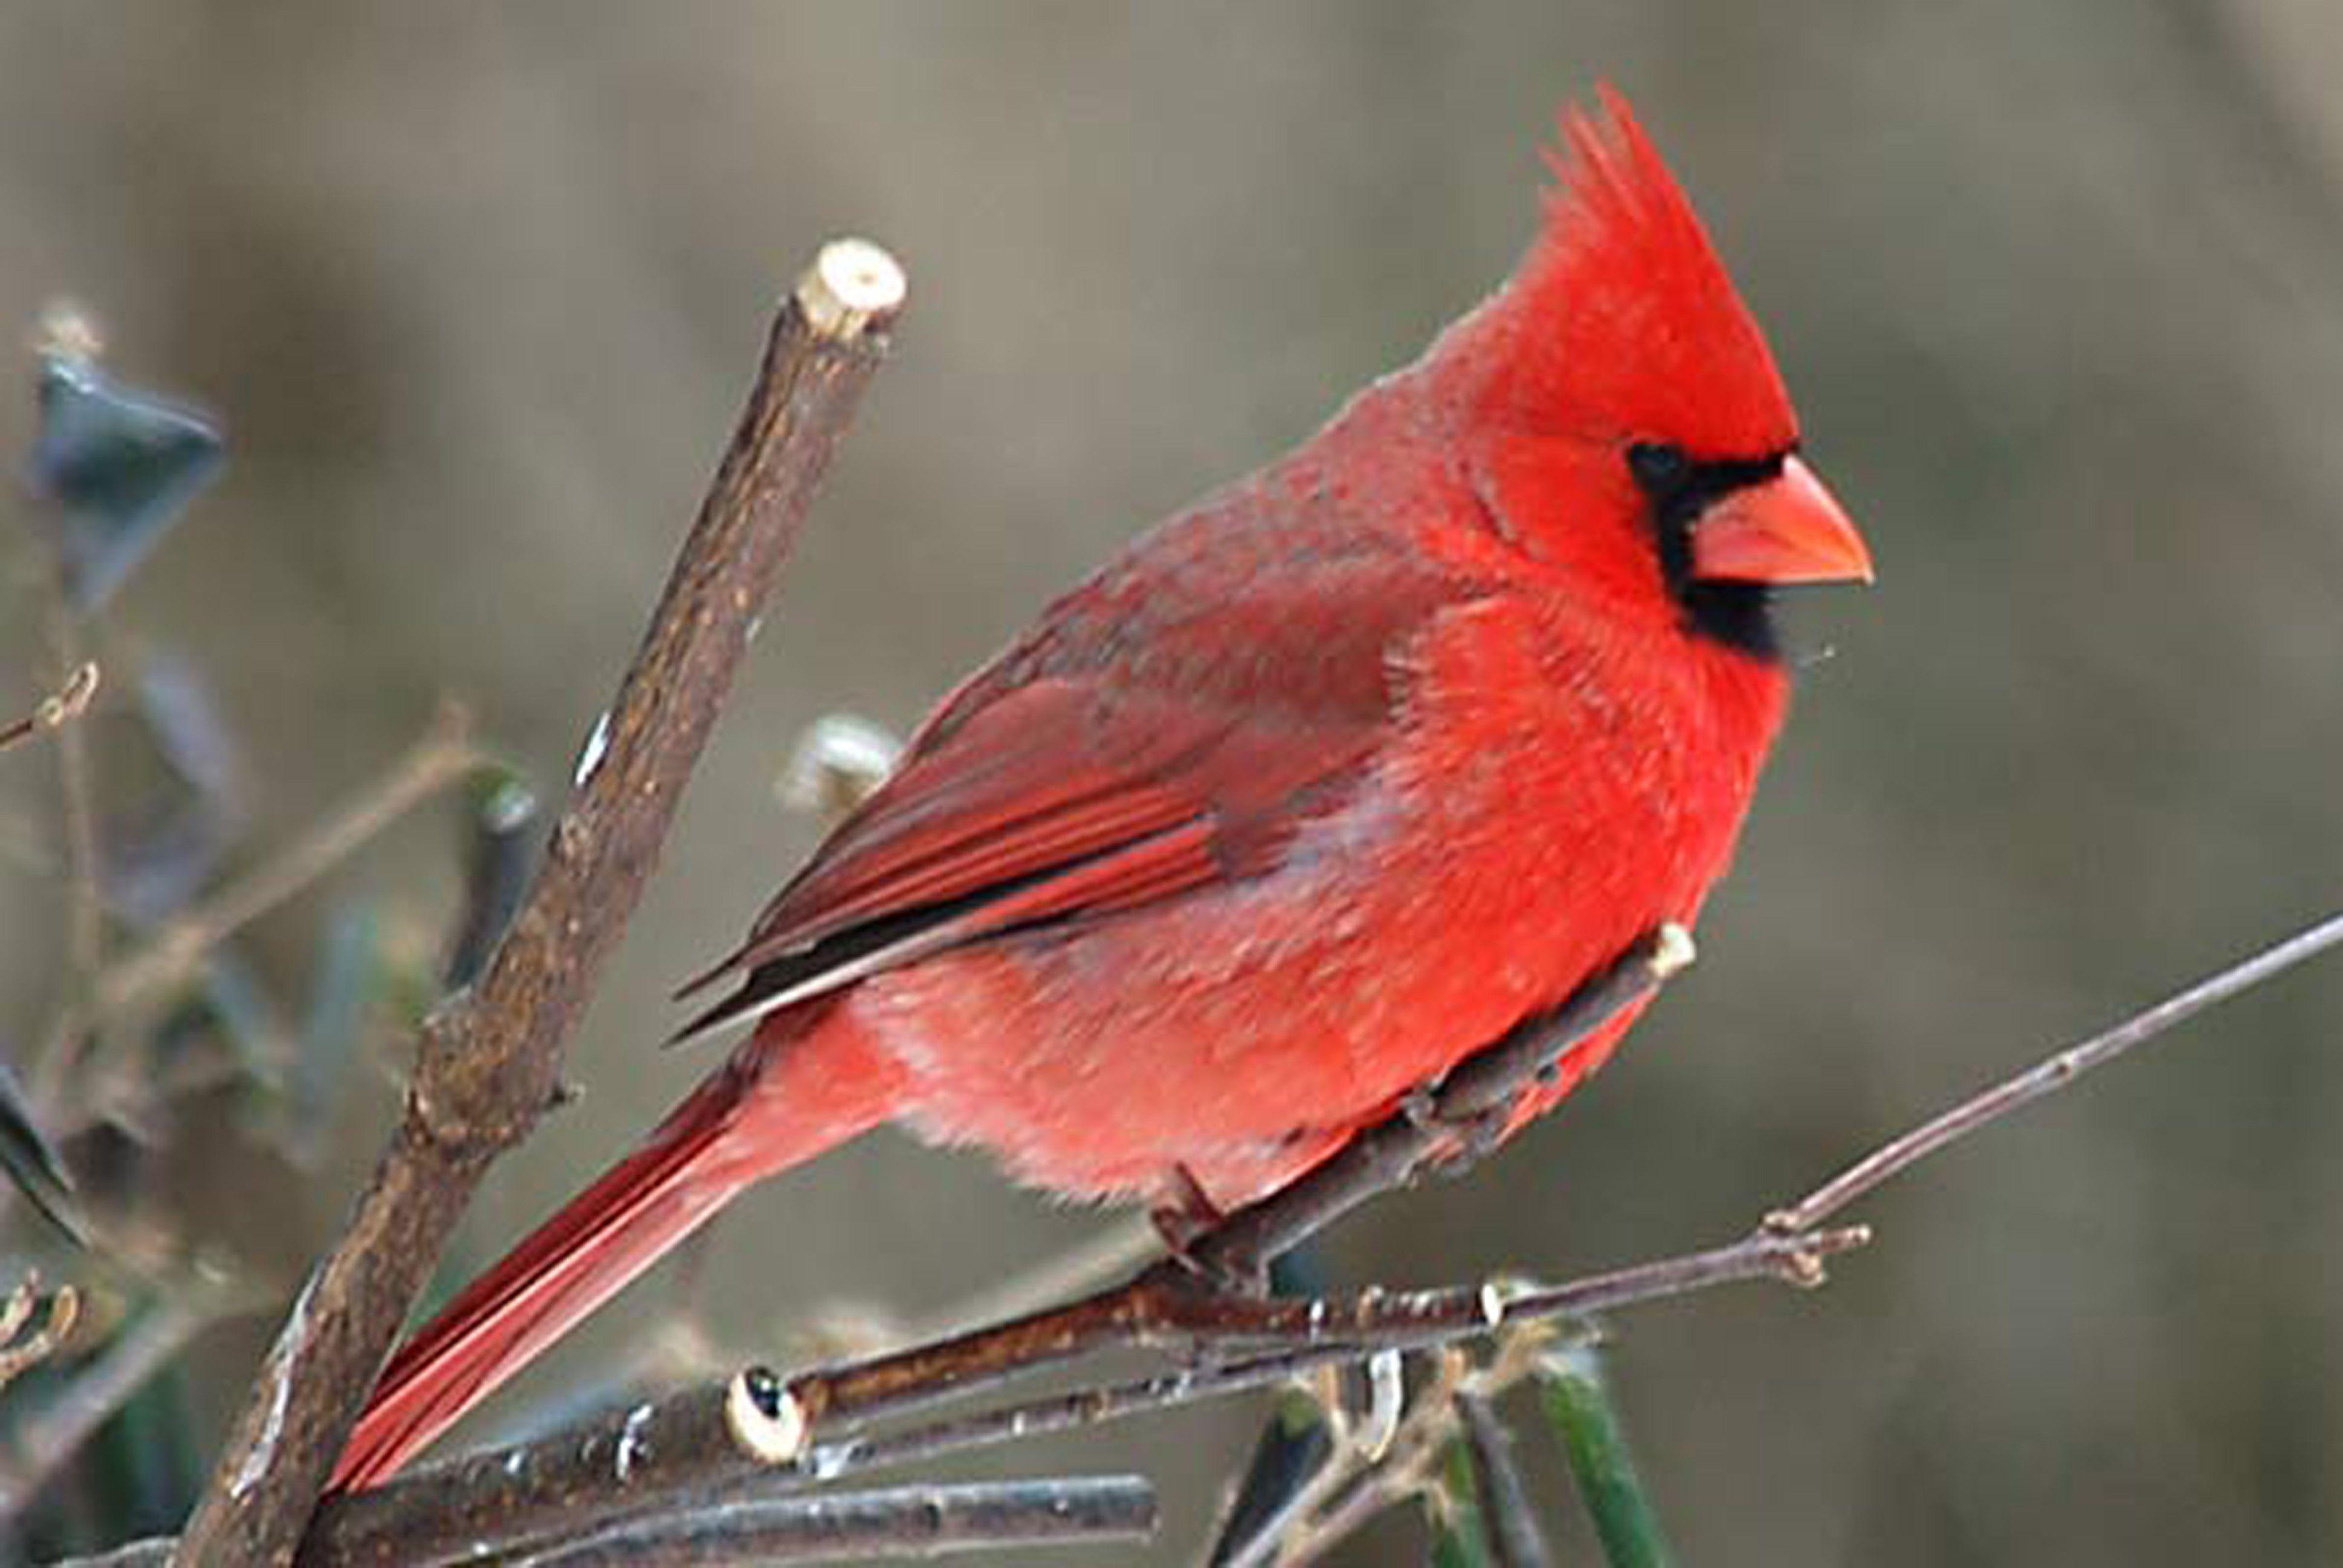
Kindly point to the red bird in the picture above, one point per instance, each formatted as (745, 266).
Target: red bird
(1310, 793)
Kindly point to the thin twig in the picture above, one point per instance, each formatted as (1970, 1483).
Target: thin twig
(84, 908)
(1406, 1468)
(2050, 1075)
(444, 753)
(1514, 1539)
(1359, 1450)
(57, 710)
(489, 1060)
(903, 1521)
(1305, 1334)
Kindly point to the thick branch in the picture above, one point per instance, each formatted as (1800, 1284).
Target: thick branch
(488, 1062)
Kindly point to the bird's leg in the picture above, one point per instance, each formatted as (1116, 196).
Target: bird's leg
(1467, 1134)
(1186, 1214)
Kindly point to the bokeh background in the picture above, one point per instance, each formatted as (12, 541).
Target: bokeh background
(476, 290)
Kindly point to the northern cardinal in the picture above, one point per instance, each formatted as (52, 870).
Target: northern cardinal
(1309, 793)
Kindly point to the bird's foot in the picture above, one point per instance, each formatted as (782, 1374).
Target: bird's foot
(1186, 1215)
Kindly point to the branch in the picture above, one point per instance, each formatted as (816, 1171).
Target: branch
(1303, 1335)
(77, 796)
(907, 1522)
(488, 1062)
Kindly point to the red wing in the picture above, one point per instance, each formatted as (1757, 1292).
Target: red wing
(1055, 799)
(1169, 724)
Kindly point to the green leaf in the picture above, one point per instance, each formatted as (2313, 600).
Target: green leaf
(1577, 1400)
(1459, 1536)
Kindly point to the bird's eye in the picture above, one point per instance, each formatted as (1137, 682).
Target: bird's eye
(1658, 468)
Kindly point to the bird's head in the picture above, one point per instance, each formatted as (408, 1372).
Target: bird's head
(1628, 423)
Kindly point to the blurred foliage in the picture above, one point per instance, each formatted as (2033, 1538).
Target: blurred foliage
(1459, 1531)
(103, 1437)
(1579, 1406)
(121, 465)
(174, 802)
(31, 1159)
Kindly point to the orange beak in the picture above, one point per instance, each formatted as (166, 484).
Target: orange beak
(1784, 529)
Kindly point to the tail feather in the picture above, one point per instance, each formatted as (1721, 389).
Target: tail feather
(738, 1127)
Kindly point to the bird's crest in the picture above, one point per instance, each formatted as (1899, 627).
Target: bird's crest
(1622, 316)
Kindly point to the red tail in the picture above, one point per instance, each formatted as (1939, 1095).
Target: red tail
(788, 1094)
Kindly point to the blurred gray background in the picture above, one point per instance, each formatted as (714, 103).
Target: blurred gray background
(477, 288)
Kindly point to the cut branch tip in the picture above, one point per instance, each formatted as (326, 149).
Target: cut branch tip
(59, 708)
(71, 699)
(764, 1417)
(1498, 1296)
(853, 286)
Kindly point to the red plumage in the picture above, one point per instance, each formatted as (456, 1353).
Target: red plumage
(1315, 789)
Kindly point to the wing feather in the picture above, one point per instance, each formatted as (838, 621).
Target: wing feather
(1130, 750)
